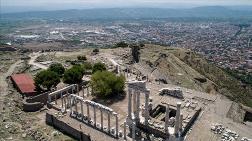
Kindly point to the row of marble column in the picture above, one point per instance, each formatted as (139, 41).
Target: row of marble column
(61, 92)
(95, 106)
(178, 119)
(135, 103)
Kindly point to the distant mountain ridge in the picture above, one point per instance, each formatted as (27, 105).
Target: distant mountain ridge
(137, 13)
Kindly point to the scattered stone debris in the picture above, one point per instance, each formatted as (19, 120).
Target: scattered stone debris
(37, 135)
(176, 92)
(229, 135)
(245, 139)
(217, 128)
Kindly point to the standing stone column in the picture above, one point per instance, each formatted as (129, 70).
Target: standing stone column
(137, 106)
(108, 121)
(101, 118)
(92, 90)
(77, 89)
(124, 130)
(133, 131)
(83, 91)
(88, 114)
(55, 98)
(87, 91)
(82, 109)
(68, 100)
(49, 98)
(75, 104)
(116, 118)
(147, 94)
(129, 103)
(94, 106)
(61, 98)
(167, 118)
(181, 122)
(134, 103)
(65, 103)
(177, 118)
(72, 90)
(71, 108)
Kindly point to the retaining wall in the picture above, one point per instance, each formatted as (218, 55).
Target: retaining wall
(65, 128)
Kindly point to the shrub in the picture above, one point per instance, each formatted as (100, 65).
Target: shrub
(121, 44)
(106, 84)
(87, 66)
(96, 50)
(98, 67)
(82, 58)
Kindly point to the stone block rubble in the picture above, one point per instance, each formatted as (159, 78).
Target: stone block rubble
(172, 92)
(245, 139)
(217, 128)
(228, 135)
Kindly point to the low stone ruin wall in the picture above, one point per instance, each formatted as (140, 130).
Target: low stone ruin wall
(65, 128)
(190, 123)
(32, 107)
(174, 93)
(153, 131)
(42, 98)
(35, 103)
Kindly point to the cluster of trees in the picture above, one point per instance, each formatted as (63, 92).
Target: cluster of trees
(121, 44)
(104, 83)
(49, 78)
(243, 76)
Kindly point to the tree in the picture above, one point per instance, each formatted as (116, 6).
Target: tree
(135, 53)
(73, 75)
(58, 68)
(121, 44)
(106, 84)
(79, 68)
(46, 79)
(98, 67)
(82, 58)
(96, 51)
(141, 45)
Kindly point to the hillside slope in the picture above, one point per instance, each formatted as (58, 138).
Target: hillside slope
(190, 70)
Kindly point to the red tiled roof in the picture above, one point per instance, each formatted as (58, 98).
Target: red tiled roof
(24, 83)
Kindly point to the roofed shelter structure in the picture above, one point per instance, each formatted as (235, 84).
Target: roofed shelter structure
(24, 83)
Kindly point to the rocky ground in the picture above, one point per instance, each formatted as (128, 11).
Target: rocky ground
(16, 124)
(158, 63)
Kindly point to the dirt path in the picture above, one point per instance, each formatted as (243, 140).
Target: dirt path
(34, 56)
(3, 83)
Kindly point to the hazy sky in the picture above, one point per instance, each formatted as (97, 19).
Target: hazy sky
(122, 3)
(7, 6)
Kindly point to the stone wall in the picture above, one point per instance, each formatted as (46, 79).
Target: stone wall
(190, 123)
(65, 128)
(151, 130)
(32, 104)
(42, 98)
(32, 107)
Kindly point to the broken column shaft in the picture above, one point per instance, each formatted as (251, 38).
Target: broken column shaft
(177, 118)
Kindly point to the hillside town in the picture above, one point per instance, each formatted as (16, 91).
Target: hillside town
(225, 44)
